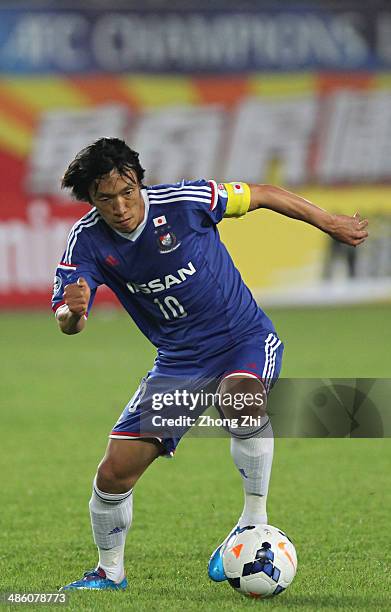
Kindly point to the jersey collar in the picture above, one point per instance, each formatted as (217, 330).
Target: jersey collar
(136, 233)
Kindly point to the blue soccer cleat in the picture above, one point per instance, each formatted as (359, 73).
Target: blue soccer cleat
(215, 566)
(95, 580)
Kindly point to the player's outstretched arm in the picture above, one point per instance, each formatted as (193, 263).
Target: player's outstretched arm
(350, 230)
(71, 316)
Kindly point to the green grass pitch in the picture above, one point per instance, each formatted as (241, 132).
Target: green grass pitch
(60, 396)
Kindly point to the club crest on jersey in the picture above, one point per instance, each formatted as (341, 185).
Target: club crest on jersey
(166, 240)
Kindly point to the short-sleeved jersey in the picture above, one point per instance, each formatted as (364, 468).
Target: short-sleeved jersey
(173, 275)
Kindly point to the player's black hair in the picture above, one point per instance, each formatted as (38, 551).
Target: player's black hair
(98, 159)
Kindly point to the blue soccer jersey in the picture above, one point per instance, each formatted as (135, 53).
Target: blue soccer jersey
(172, 274)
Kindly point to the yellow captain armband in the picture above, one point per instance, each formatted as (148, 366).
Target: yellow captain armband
(239, 196)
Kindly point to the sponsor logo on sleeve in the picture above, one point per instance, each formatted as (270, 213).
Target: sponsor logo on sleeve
(222, 190)
(57, 284)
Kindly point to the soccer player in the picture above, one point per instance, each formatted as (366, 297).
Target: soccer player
(159, 250)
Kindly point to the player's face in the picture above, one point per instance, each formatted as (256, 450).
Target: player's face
(118, 199)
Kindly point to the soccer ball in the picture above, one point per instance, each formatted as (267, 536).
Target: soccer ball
(260, 561)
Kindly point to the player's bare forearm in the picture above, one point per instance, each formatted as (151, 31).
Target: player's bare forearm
(289, 204)
(71, 316)
(350, 230)
(69, 322)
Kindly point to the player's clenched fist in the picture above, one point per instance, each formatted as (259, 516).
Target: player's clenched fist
(77, 296)
(350, 230)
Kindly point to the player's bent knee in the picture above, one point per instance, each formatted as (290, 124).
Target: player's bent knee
(112, 479)
(242, 395)
(243, 402)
